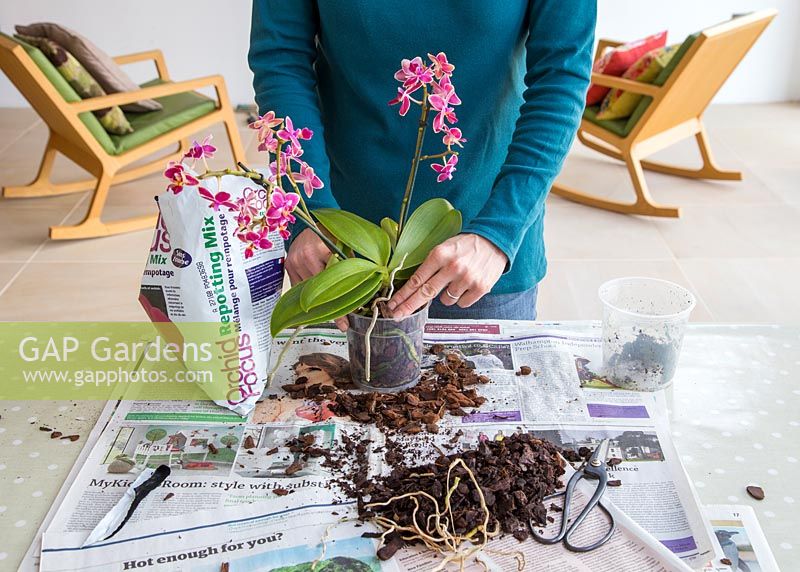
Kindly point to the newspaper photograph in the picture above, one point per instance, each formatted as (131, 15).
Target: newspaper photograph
(212, 465)
(741, 538)
(221, 462)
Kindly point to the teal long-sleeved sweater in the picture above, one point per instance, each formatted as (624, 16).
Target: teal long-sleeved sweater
(522, 69)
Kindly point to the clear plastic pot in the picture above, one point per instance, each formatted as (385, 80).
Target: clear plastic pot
(644, 320)
(395, 350)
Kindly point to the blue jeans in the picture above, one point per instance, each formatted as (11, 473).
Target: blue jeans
(514, 306)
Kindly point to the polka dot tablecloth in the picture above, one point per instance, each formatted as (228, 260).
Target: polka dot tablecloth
(734, 407)
(33, 466)
(735, 416)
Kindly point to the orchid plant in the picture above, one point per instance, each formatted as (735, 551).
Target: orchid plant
(368, 261)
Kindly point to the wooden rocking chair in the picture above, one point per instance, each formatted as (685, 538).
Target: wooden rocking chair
(671, 111)
(76, 133)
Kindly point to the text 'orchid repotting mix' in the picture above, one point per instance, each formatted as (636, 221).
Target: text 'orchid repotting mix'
(218, 251)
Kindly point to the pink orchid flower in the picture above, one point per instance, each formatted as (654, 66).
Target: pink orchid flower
(203, 150)
(441, 67)
(221, 199)
(289, 133)
(179, 178)
(452, 136)
(404, 99)
(279, 213)
(446, 169)
(267, 141)
(444, 93)
(445, 114)
(443, 97)
(291, 152)
(245, 208)
(266, 121)
(309, 178)
(413, 73)
(273, 169)
(243, 220)
(256, 239)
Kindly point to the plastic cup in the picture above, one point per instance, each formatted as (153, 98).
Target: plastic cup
(644, 320)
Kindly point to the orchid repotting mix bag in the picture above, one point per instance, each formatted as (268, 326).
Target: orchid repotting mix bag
(202, 269)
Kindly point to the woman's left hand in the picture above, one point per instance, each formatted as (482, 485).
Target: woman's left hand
(463, 269)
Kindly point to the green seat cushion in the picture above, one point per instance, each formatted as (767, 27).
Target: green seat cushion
(616, 126)
(178, 110)
(624, 126)
(66, 91)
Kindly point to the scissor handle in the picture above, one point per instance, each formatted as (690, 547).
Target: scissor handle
(566, 529)
(571, 547)
(561, 533)
(567, 494)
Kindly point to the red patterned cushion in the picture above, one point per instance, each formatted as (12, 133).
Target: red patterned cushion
(615, 62)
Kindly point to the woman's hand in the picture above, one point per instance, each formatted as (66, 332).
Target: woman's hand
(307, 257)
(463, 269)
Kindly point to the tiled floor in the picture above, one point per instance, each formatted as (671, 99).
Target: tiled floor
(737, 245)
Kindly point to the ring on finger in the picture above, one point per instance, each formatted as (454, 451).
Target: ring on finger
(449, 295)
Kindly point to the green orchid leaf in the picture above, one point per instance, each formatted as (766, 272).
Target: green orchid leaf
(287, 307)
(404, 274)
(336, 281)
(389, 226)
(431, 224)
(364, 237)
(289, 314)
(334, 259)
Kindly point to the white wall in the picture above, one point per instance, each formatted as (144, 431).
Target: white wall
(770, 72)
(201, 37)
(198, 37)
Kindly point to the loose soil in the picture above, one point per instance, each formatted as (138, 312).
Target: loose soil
(514, 476)
(449, 387)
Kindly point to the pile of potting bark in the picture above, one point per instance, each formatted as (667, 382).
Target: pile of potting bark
(449, 387)
(514, 475)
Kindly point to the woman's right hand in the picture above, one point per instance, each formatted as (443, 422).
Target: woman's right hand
(307, 257)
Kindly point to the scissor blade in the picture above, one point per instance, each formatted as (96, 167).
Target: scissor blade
(600, 454)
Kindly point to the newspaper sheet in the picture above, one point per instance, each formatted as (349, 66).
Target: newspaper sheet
(743, 542)
(250, 538)
(564, 400)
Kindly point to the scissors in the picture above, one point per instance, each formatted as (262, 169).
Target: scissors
(594, 469)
